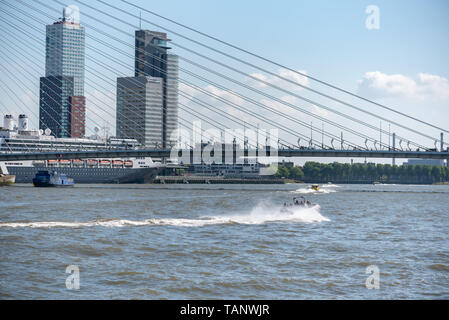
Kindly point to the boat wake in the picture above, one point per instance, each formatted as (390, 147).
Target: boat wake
(331, 185)
(264, 213)
(258, 215)
(322, 190)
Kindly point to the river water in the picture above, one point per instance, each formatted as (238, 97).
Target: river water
(224, 242)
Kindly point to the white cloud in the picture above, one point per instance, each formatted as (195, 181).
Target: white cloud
(425, 86)
(434, 85)
(100, 111)
(320, 111)
(281, 107)
(277, 81)
(286, 109)
(187, 91)
(241, 115)
(224, 95)
(209, 89)
(261, 77)
(214, 103)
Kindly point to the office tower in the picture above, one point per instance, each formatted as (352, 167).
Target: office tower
(62, 88)
(152, 59)
(78, 116)
(54, 112)
(139, 109)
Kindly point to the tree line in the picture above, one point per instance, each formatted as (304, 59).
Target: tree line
(364, 172)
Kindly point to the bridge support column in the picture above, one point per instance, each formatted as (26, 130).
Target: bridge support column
(442, 143)
(394, 147)
(341, 139)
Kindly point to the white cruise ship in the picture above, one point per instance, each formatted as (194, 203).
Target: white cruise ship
(18, 139)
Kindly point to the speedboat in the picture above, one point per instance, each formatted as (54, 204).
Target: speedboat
(287, 209)
(303, 204)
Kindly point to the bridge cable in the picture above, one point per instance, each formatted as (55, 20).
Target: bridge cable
(278, 65)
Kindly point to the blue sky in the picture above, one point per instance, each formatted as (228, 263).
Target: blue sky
(328, 38)
(404, 64)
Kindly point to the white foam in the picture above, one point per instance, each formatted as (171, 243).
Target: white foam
(258, 215)
(321, 190)
(52, 224)
(331, 185)
(266, 213)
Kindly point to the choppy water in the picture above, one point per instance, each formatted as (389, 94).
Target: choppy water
(224, 242)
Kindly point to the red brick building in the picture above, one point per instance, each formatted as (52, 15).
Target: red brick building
(78, 116)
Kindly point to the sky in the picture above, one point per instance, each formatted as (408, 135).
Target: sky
(403, 63)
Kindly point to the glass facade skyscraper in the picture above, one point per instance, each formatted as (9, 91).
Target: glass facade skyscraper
(152, 59)
(64, 64)
(139, 109)
(54, 111)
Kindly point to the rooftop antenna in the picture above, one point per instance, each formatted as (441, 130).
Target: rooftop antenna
(140, 19)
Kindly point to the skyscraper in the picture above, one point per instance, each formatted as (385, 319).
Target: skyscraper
(139, 109)
(62, 103)
(152, 59)
(54, 104)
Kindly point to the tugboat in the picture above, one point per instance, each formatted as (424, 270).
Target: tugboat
(52, 179)
(5, 178)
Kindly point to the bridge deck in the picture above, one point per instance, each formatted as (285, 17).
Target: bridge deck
(165, 153)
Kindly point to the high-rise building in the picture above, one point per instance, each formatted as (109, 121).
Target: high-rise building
(152, 59)
(139, 109)
(62, 88)
(78, 116)
(54, 111)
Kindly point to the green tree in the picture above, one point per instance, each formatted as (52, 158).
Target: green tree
(410, 173)
(338, 170)
(312, 170)
(387, 170)
(436, 173)
(296, 173)
(427, 172)
(346, 170)
(282, 172)
(372, 171)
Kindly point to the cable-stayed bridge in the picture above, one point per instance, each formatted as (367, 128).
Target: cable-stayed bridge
(167, 153)
(221, 84)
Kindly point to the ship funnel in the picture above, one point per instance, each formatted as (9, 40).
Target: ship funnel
(8, 122)
(23, 123)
